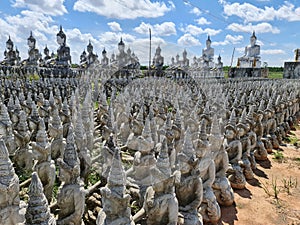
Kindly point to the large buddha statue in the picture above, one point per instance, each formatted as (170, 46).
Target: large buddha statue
(33, 52)
(158, 60)
(251, 57)
(122, 55)
(63, 52)
(91, 57)
(208, 53)
(9, 54)
(104, 60)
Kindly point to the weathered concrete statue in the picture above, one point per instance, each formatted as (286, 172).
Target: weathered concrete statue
(38, 211)
(160, 203)
(233, 147)
(71, 194)
(9, 190)
(44, 166)
(221, 185)
(188, 186)
(115, 201)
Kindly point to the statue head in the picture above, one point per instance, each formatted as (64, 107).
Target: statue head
(9, 44)
(46, 50)
(158, 50)
(184, 54)
(104, 52)
(253, 39)
(89, 47)
(31, 41)
(61, 37)
(121, 45)
(208, 42)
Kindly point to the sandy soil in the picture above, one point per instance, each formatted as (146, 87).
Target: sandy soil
(257, 204)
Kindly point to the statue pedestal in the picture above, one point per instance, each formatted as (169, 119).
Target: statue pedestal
(291, 70)
(244, 72)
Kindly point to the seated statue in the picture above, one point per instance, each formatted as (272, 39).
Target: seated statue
(233, 147)
(33, 52)
(56, 133)
(115, 201)
(44, 166)
(63, 52)
(160, 205)
(189, 190)
(83, 59)
(209, 208)
(221, 185)
(23, 158)
(260, 152)
(10, 56)
(185, 62)
(91, 57)
(138, 176)
(208, 53)
(158, 60)
(122, 55)
(47, 56)
(71, 193)
(251, 57)
(243, 129)
(104, 60)
(219, 67)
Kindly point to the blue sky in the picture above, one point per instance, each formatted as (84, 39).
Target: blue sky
(176, 25)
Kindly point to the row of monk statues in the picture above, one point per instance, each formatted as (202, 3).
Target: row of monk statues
(123, 58)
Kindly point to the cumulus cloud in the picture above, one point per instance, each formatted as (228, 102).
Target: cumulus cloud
(258, 28)
(53, 7)
(114, 26)
(195, 30)
(251, 13)
(202, 21)
(120, 9)
(229, 39)
(196, 11)
(163, 29)
(188, 40)
(272, 52)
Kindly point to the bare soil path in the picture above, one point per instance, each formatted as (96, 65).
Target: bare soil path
(273, 197)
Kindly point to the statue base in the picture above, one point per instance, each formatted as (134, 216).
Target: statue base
(244, 72)
(291, 70)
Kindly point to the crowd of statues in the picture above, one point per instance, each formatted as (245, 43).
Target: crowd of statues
(203, 66)
(167, 151)
(62, 58)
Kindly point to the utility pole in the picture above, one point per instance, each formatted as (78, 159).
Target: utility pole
(149, 50)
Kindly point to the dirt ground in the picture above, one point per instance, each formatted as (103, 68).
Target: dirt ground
(273, 197)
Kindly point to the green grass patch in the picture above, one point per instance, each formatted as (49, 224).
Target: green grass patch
(292, 140)
(275, 75)
(278, 155)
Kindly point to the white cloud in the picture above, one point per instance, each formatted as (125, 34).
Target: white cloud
(120, 9)
(114, 26)
(229, 39)
(188, 40)
(258, 28)
(251, 13)
(202, 21)
(196, 11)
(272, 52)
(195, 30)
(53, 7)
(164, 29)
(20, 25)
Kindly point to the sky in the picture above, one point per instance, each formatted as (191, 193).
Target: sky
(175, 25)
